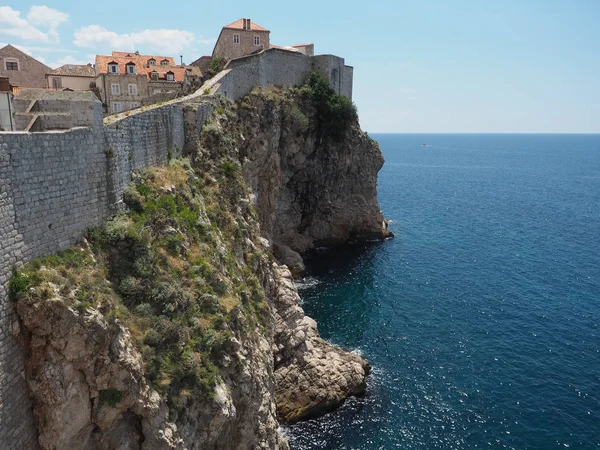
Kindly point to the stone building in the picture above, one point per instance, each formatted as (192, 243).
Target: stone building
(125, 79)
(22, 70)
(7, 109)
(241, 38)
(72, 76)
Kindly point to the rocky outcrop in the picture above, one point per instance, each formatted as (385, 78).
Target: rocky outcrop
(312, 376)
(87, 381)
(310, 190)
(88, 384)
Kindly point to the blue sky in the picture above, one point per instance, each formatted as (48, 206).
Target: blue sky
(420, 66)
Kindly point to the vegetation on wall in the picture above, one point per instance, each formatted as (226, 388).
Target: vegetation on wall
(215, 65)
(335, 113)
(179, 270)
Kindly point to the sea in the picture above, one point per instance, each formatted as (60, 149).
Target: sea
(481, 318)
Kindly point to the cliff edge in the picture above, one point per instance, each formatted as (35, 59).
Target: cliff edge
(313, 171)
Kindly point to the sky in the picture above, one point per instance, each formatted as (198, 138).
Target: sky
(454, 66)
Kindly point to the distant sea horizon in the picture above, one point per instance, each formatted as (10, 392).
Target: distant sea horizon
(481, 318)
(477, 132)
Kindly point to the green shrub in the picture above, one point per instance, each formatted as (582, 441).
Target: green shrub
(19, 283)
(335, 113)
(230, 168)
(215, 65)
(111, 397)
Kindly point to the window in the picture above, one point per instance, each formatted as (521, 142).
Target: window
(154, 76)
(12, 65)
(133, 105)
(115, 89)
(117, 107)
(236, 38)
(152, 62)
(170, 76)
(164, 62)
(130, 69)
(132, 89)
(57, 83)
(113, 68)
(257, 40)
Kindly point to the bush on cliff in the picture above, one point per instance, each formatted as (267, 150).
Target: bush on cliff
(174, 270)
(335, 112)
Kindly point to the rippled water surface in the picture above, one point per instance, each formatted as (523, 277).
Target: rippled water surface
(482, 317)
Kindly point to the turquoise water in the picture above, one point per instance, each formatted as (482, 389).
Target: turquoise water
(482, 317)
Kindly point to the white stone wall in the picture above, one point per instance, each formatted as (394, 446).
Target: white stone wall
(70, 82)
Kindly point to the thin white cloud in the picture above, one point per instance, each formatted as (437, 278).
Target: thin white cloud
(47, 17)
(169, 42)
(68, 60)
(38, 49)
(26, 50)
(14, 26)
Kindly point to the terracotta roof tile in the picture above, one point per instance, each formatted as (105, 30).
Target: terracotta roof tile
(141, 64)
(239, 25)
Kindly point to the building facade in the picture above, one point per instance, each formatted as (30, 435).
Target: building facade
(125, 79)
(22, 70)
(241, 38)
(7, 110)
(71, 76)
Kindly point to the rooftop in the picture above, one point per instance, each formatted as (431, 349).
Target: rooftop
(75, 70)
(239, 25)
(143, 64)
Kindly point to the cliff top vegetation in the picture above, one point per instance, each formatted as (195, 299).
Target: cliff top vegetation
(177, 269)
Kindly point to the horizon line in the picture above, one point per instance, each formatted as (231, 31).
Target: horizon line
(482, 132)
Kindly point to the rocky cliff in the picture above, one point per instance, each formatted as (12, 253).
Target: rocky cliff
(172, 326)
(314, 185)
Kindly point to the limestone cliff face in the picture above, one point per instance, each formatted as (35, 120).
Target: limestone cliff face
(310, 190)
(90, 389)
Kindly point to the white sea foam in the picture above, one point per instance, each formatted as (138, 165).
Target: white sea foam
(306, 283)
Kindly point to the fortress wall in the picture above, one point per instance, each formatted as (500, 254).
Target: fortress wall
(277, 67)
(53, 187)
(17, 425)
(138, 141)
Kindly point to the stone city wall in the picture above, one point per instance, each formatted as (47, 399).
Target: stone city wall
(277, 67)
(53, 187)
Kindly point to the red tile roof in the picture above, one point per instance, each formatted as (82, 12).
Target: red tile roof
(239, 25)
(141, 64)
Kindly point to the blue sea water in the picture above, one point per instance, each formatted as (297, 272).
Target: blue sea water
(482, 317)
